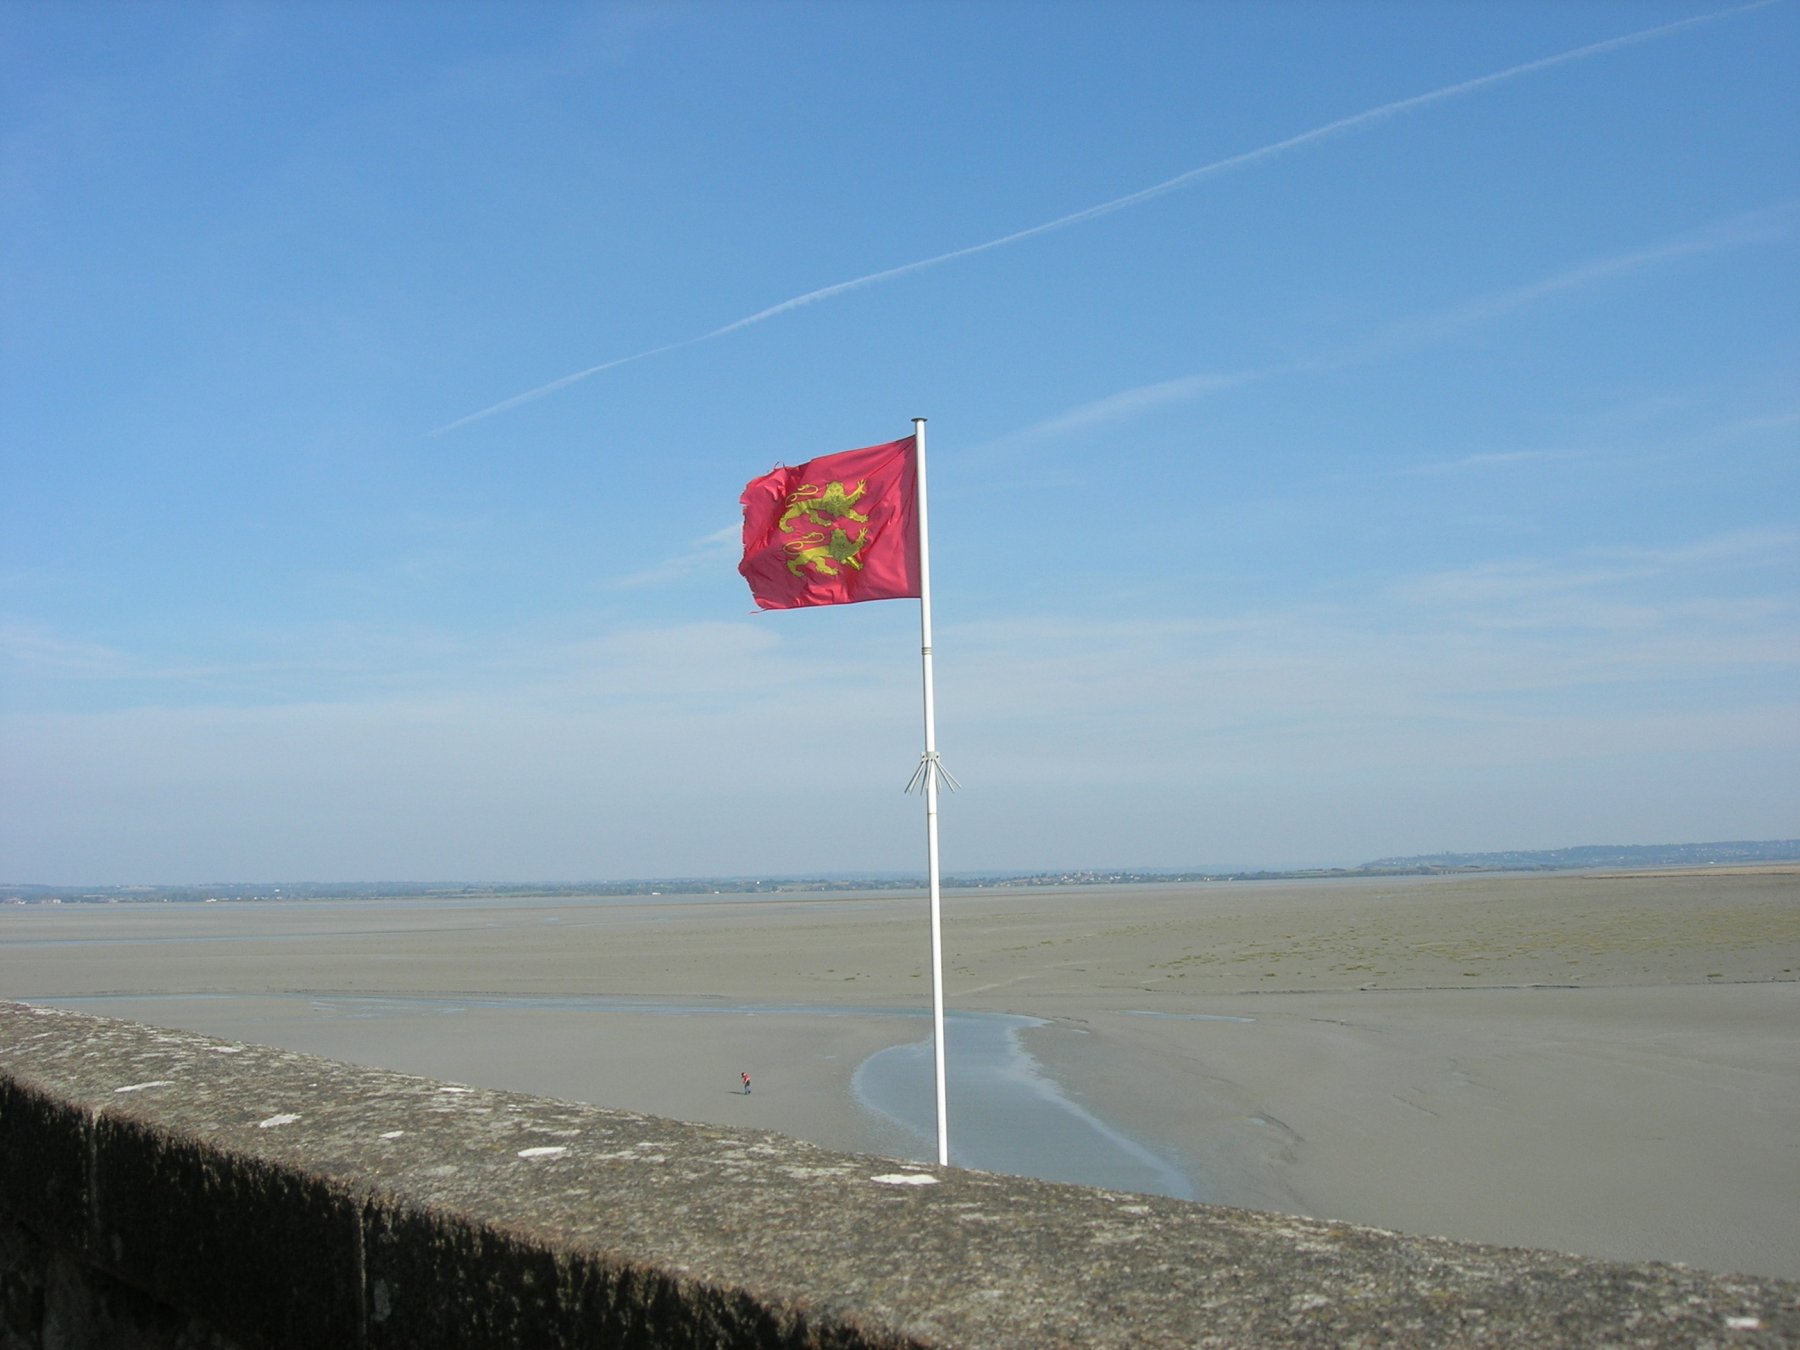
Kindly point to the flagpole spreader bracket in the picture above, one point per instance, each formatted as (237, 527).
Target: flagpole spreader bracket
(930, 768)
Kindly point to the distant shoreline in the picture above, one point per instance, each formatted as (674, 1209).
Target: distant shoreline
(1637, 858)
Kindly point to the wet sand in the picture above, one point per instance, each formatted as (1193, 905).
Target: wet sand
(1607, 1064)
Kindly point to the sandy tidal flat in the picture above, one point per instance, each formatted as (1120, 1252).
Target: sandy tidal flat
(1602, 1064)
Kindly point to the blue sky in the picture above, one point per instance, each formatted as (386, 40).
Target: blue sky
(1355, 429)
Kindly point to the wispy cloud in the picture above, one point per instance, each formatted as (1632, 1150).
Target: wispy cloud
(34, 648)
(1497, 459)
(1763, 225)
(704, 555)
(1601, 589)
(1342, 126)
(1769, 545)
(1535, 660)
(1131, 402)
(1748, 426)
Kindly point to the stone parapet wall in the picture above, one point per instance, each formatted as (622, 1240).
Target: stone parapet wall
(165, 1190)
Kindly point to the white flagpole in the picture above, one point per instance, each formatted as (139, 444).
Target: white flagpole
(929, 766)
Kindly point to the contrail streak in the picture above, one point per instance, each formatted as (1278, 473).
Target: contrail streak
(1341, 126)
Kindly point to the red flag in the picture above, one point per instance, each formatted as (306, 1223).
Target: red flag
(834, 531)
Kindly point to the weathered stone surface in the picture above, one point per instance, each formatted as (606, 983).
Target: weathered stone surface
(295, 1201)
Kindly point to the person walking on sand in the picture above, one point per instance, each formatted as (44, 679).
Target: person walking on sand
(746, 1078)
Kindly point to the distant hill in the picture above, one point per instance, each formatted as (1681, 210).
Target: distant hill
(1598, 855)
